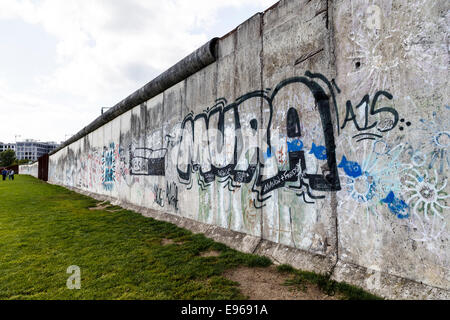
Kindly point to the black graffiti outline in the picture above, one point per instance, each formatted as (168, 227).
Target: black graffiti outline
(154, 166)
(330, 88)
(172, 194)
(241, 176)
(159, 199)
(329, 182)
(370, 109)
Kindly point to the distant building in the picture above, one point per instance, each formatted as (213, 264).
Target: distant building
(32, 149)
(6, 146)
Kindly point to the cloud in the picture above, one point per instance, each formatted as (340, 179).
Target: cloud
(106, 49)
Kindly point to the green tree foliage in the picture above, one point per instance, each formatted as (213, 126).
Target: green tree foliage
(19, 162)
(7, 158)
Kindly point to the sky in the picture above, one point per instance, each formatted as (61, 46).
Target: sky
(62, 61)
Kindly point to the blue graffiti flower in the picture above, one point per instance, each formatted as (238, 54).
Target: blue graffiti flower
(362, 188)
(435, 143)
(367, 179)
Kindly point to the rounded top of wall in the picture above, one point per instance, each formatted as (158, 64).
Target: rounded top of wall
(189, 65)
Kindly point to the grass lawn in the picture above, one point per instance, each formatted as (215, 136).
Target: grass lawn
(44, 229)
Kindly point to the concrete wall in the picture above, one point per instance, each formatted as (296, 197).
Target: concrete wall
(319, 135)
(29, 169)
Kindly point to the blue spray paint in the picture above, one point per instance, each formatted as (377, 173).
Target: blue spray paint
(370, 194)
(268, 153)
(396, 205)
(351, 168)
(320, 152)
(295, 145)
(108, 164)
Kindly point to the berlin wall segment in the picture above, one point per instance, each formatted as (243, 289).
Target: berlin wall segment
(271, 158)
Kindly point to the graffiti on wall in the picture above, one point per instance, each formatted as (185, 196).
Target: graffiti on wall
(262, 141)
(403, 178)
(220, 143)
(202, 151)
(147, 162)
(168, 195)
(108, 167)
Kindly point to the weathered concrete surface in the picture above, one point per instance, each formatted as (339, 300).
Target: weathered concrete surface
(319, 137)
(385, 284)
(31, 169)
(400, 48)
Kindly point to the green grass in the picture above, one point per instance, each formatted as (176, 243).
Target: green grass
(44, 229)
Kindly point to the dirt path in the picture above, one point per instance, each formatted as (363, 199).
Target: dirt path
(267, 284)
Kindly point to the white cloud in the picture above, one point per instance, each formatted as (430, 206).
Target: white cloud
(106, 49)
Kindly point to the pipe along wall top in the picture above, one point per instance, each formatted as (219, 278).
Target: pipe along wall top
(189, 65)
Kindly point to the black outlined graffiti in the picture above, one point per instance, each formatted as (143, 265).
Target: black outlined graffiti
(172, 194)
(147, 161)
(196, 157)
(159, 197)
(231, 142)
(222, 142)
(384, 125)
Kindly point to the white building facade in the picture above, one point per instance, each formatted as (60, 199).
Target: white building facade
(29, 149)
(6, 146)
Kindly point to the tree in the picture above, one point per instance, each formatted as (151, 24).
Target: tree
(19, 162)
(7, 158)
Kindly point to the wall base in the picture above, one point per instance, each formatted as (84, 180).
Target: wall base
(386, 285)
